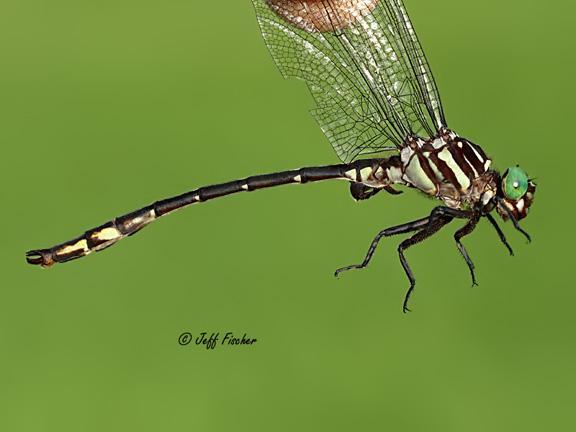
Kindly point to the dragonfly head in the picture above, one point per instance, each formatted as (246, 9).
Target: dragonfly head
(515, 194)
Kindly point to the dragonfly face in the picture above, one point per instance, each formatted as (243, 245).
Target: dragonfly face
(516, 193)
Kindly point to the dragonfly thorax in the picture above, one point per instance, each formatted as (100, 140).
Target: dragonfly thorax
(450, 168)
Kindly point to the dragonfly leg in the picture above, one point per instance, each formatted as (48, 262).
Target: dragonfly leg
(464, 231)
(399, 229)
(447, 211)
(513, 219)
(360, 191)
(432, 227)
(500, 233)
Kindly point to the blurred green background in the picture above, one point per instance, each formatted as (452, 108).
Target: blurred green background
(107, 106)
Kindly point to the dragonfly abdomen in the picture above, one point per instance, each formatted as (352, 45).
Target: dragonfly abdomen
(377, 173)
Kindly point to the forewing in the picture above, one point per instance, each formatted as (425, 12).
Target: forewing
(364, 67)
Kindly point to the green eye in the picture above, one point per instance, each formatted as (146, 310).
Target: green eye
(515, 183)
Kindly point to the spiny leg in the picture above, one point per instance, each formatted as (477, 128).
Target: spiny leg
(500, 233)
(399, 229)
(448, 212)
(464, 231)
(431, 228)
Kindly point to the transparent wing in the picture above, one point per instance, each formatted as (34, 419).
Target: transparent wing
(363, 64)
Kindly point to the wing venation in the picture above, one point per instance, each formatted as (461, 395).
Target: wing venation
(363, 65)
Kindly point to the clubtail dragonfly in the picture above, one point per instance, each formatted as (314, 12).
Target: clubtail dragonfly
(375, 95)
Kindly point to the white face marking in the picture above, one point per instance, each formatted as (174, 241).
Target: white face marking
(520, 205)
(79, 245)
(298, 179)
(107, 234)
(460, 176)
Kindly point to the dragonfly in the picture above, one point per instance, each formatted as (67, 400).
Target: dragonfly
(378, 105)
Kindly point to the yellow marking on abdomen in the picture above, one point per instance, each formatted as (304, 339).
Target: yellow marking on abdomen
(351, 174)
(365, 173)
(79, 245)
(107, 234)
